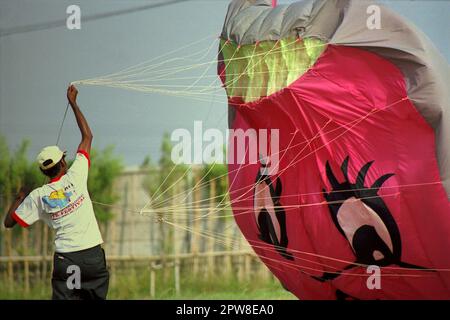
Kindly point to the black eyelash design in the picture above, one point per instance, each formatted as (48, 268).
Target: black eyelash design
(368, 195)
(265, 224)
(366, 240)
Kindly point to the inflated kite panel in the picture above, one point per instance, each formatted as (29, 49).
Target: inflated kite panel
(363, 172)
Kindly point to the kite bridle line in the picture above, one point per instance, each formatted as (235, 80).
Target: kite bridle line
(115, 82)
(62, 124)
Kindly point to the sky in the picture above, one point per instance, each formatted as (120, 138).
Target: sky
(37, 66)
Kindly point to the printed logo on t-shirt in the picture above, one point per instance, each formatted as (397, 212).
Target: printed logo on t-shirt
(57, 199)
(69, 209)
(63, 202)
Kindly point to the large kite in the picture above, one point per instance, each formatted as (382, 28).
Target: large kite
(362, 185)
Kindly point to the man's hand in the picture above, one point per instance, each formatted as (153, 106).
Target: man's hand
(72, 93)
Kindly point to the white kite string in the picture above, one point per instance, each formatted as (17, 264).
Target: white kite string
(187, 92)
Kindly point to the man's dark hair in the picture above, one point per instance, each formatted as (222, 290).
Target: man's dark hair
(53, 171)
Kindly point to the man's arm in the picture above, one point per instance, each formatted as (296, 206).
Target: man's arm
(9, 220)
(86, 134)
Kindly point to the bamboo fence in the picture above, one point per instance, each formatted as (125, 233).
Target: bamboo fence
(132, 239)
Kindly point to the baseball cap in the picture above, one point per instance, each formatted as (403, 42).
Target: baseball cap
(49, 157)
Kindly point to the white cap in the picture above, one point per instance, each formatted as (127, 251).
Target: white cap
(49, 157)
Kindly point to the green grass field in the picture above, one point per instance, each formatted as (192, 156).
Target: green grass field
(135, 286)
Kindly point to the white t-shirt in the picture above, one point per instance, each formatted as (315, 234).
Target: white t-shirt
(64, 204)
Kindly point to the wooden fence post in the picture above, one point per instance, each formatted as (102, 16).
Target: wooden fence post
(229, 245)
(123, 218)
(37, 250)
(10, 266)
(113, 248)
(26, 263)
(44, 252)
(176, 238)
(152, 281)
(132, 219)
(196, 226)
(212, 209)
(247, 266)
(241, 258)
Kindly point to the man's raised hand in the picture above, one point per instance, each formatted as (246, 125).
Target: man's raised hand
(72, 93)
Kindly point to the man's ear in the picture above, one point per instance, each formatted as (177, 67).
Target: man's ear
(64, 163)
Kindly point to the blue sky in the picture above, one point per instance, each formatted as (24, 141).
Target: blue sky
(35, 68)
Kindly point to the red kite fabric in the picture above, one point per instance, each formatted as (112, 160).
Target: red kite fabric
(358, 184)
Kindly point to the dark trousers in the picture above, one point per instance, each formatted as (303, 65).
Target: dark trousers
(80, 275)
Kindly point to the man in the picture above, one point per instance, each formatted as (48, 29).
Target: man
(79, 266)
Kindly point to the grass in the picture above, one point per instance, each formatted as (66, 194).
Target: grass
(221, 287)
(134, 285)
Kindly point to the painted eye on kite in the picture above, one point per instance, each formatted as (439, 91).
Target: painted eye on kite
(270, 215)
(363, 218)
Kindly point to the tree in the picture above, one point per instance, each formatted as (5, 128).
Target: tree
(16, 171)
(5, 185)
(106, 167)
